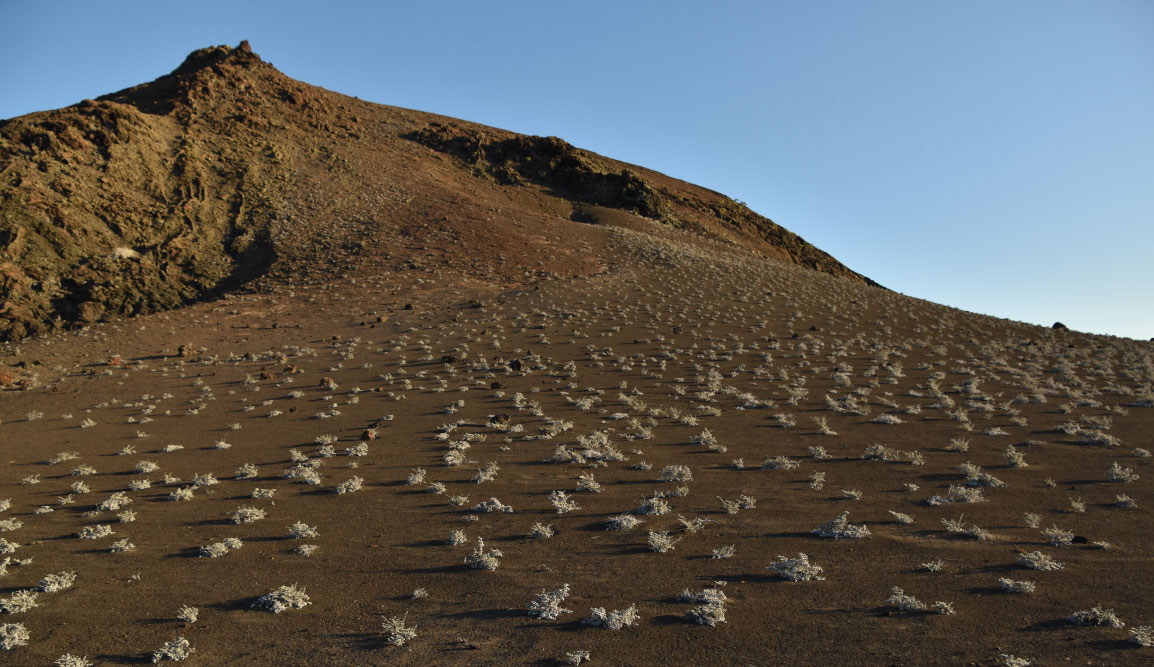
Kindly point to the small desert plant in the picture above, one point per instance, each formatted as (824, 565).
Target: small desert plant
(183, 493)
(818, 452)
(695, 524)
(901, 518)
(1142, 635)
(282, 599)
(656, 506)
(540, 531)
(1059, 537)
(840, 528)
(395, 631)
(622, 522)
(94, 532)
(1015, 458)
(114, 502)
(62, 457)
(712, 595)
(547, 605)
(706, 438)
(796, 569)
(1096, 616)
(69, 660)
(876, 452)
(486, 474)
(176, 650)
(350, 485)
(959, 527)
(187, 614)
(52, 583)
(1117, 473)
(19, 602)
(823, 428)
(248, 514)
(13, 635)
(612, 620)
(958, 445)
(1020, 586)
(958, 494)
(483, 560)
(724, 552)
(562, 502)
(975, 476)
(779, 463)
(904, 602)
(587, 483)
(661, 541)
(1036, 560)
(301, 530)
(709, 614)
(676, 473)
(145, 467)
(214, 550)
(492, 505)
(731, 506)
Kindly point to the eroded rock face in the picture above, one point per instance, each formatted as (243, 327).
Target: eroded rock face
(124, 206)
(517, 159)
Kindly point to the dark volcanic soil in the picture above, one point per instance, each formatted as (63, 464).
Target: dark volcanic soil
(670, 340)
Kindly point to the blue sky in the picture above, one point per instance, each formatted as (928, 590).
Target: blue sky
(994, 156)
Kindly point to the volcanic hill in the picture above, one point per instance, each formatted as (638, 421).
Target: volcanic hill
(226, 173)
(399, 389)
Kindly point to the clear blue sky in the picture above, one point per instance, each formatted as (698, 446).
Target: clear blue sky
(993, 155)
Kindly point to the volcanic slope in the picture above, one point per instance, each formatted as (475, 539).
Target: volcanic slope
(227, 173)
(696, 435)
